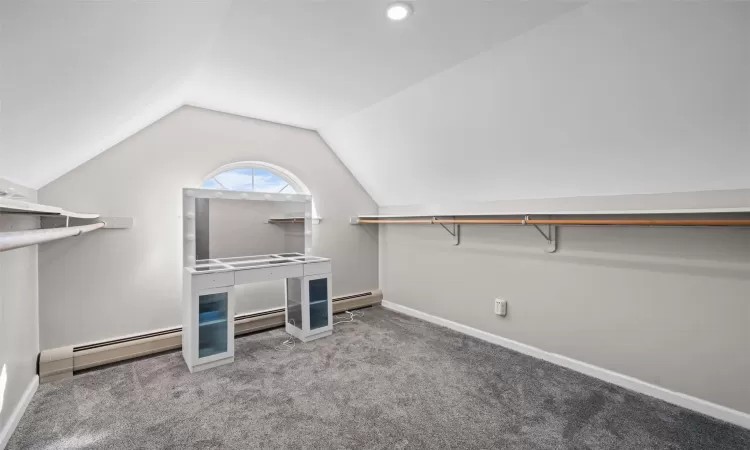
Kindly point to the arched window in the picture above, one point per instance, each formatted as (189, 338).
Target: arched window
(254, 176)
(257, 176)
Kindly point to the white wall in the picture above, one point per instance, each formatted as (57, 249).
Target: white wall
(627, 98)
(19, 323)
(610, 98)
(667, 306)
(117, 282)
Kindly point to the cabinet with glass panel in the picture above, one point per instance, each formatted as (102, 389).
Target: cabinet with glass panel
(209, 341)
(309, 312)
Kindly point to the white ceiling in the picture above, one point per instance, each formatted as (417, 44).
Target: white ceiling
(466, 100)
(607, 99)
(307, 63)
(78, 77)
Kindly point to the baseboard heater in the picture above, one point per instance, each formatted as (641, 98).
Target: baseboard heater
(60, 363)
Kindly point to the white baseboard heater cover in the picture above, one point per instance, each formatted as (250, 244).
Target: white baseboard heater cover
(60, 363)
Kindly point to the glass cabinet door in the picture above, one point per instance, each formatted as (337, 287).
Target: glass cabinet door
(294, 302)
(318, 290)
(212, 324)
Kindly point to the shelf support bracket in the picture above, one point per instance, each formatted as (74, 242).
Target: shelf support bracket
(550, 236)
(455, 232)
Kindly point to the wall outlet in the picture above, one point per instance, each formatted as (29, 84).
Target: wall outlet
(501, 307)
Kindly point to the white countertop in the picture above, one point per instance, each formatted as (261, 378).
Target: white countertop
(204, 266)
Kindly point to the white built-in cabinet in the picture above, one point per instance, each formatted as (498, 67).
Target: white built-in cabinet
(309, 310)
(208, 326)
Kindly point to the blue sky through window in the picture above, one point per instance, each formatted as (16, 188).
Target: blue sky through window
(211, 184)
(266, 181)
(250, 179)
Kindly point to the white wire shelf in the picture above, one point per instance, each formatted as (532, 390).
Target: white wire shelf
(10, 206)
(300, 220)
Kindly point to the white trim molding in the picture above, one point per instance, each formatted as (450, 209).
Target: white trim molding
(15, 417)
(676, 398)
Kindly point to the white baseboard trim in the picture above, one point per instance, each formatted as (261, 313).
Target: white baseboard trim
(686, 401)
(15, 416)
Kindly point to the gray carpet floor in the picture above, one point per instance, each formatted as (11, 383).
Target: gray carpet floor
(385, 381)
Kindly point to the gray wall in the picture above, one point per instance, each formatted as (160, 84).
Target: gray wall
(665, 305)
(19, 323)
(117, 282)
(240, 227)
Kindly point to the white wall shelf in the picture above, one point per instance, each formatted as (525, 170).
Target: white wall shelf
(55, 222)
(300, 220)
(10, 206)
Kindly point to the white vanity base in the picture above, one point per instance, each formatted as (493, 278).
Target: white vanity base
(299, 334)
(210, 365)
(209, 303)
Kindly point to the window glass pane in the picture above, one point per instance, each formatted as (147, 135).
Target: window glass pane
(250, 179)
(236, 179)
(210, 184)
(212, 324)
(318, 291)
(294, 301)
(266, 181)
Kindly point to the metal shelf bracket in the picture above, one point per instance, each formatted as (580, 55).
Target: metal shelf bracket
(455, 232)
(550, 236)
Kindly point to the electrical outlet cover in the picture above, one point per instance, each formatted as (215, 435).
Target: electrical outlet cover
(501, 307)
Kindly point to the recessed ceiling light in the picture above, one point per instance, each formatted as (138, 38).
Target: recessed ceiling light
(399, 11)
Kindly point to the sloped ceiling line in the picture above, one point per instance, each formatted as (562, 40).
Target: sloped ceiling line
(79, 68)
(625, 98)
(580, 95)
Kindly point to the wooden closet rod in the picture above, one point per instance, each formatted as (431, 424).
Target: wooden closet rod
(637, 222)
(412, 221)
(646, 222)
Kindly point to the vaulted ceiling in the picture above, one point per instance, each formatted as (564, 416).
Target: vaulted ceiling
(469, 99)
